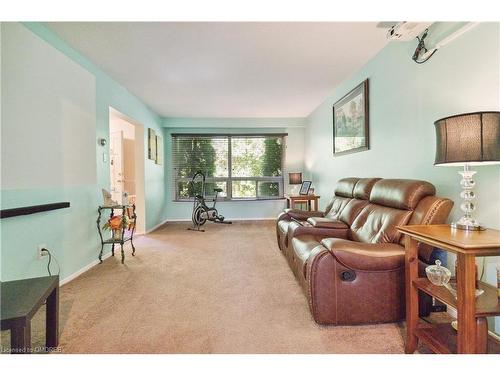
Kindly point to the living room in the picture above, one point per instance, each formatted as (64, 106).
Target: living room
(325, 171)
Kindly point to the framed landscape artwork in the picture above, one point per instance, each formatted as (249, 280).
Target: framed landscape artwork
(151, 144)
(350, 121)
(159, 150)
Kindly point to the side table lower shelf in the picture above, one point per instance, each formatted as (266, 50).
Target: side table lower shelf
(442, 338)
(112, 240)
(487, 304)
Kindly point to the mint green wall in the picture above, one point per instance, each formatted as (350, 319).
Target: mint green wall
(405, 100)
(110, 93)
(294, 157)
(71, 233)
(232, 123)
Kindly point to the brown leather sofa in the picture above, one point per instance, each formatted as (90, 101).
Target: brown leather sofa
(349, 258)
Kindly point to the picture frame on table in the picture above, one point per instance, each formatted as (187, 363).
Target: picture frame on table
(351, 121)
(304, 188)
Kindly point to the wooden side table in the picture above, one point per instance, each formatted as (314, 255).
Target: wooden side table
(291, 201)
(21, 299)
(472, 334)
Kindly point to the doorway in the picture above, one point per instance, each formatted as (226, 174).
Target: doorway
(126, 163)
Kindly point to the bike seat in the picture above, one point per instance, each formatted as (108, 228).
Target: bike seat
(218, 190)
(198, 196)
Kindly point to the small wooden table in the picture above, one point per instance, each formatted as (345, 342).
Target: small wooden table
(20, 300)
(472, 335)
(291, 200)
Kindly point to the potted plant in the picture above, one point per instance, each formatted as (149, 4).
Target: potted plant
(116, 224)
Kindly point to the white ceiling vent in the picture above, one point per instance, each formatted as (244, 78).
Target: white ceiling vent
(406, 31)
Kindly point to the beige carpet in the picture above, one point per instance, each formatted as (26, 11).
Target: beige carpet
(228, 290)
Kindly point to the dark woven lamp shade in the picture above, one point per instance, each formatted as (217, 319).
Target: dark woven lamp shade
(295, 178)
(470, 138)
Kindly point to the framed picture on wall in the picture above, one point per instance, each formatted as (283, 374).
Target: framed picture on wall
(350, 121)
(159, 150)
(151, 144)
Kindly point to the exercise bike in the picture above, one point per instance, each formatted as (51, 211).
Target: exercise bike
(201, 212)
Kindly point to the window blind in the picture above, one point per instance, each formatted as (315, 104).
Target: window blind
(243, 166)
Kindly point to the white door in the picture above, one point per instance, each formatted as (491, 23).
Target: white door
(116, 168)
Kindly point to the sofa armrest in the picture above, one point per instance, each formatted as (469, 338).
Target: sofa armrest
(325, 222)
(366, 256)
(303, 215)
(283, 216)
(290, 213)
(296, 229)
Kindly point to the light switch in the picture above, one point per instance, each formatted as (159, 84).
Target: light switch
(104, 157)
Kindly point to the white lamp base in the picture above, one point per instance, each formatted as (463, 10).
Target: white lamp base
(467, 222)
(466, 227)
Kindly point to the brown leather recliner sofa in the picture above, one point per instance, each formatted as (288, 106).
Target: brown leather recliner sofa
(349, 258)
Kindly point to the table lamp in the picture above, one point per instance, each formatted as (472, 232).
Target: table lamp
(294, 178)
(467, 140)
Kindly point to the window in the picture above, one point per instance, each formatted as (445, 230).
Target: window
(243, 166)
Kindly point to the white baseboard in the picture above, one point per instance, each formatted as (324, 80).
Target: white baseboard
(453, 313)
(253, 218)
(228, 219)
(82, 270)
(156, 226)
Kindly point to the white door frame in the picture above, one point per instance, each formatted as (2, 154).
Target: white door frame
(116, 142)
(140, 176)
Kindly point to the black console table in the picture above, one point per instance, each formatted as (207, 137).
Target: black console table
(124, 235)
(20, 300)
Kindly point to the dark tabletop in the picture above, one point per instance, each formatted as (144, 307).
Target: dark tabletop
(21, 298)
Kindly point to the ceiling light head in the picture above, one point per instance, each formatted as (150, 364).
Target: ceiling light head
(406, 31)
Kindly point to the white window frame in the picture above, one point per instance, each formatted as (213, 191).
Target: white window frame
(229, 179)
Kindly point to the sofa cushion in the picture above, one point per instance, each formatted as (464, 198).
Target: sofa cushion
(364, 187)
(302, 247)
(324, 222)
(351, 210)
(301, 214)
(336, 207)
(345, 187)
(364, 256)
(377, 224)
(401, 194)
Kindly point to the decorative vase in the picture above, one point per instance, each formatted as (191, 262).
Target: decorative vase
(117, 234)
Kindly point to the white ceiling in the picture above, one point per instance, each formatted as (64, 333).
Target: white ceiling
(222, 69)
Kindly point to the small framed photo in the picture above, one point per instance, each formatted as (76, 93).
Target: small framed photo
(151, 144)
(159, 150)
(304, 188)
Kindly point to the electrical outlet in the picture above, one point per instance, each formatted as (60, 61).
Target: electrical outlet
(39, 252)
